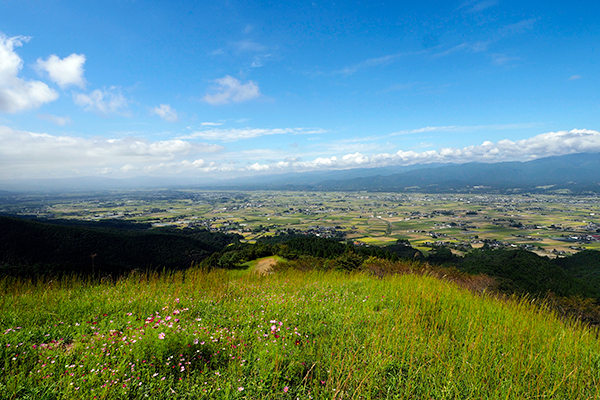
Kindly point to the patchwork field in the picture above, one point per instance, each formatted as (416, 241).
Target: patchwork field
(549, 225)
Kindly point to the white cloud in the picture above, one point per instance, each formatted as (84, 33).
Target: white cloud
(211, 123)
(166, 112)
(258, 167)
(574, 77)
(475, 6)
(369, 63)
(365, 143)
(230, 135)
(186, 166)
(17, 94)
(474, 47)
(356, 159)
(128, 168)
(249, 46)
(60, 121)
(459, 128)
(518, 27)
(502, 59)
(65, 72)
(376, 62)
(230, 90)
(28, 154)
(102, 102)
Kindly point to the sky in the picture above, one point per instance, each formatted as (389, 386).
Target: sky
(224, 89)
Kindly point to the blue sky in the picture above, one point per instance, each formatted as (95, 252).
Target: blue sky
(223, 89)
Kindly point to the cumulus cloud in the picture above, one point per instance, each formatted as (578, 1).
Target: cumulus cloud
(64, 72)
(165, 112)
(59, 121)
(102, 102)
(230, 90)
(18, 94)
(258, 167)
(230, 135)
(26, 154)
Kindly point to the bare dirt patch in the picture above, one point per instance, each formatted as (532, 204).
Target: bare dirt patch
(264, 266)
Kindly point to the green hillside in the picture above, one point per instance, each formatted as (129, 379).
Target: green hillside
(584, 265)
(29, 247)
(320, 335)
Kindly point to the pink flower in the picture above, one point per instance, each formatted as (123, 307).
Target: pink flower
(240, 388)
(161, 335)
(285, 389)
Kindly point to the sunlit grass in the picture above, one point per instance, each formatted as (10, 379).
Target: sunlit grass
(378, 241)
(287, 335)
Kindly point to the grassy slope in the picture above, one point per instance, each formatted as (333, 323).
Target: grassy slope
(230, 334)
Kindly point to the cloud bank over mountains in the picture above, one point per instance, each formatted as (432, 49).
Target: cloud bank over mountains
(27, 154)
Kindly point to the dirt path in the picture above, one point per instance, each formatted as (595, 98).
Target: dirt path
(263, 267)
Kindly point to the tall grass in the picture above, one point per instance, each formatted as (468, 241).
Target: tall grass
(230, 334)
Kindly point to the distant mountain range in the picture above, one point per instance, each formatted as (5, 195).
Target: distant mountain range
(573, 173)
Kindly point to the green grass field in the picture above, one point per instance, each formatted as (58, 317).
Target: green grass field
(237, 335)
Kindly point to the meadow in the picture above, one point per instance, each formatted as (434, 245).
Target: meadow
(324, 335)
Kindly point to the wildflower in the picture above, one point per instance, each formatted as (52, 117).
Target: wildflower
(285, 389)
(240, 388)
(161, 335)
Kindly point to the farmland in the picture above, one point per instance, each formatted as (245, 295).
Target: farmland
(546, 224)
